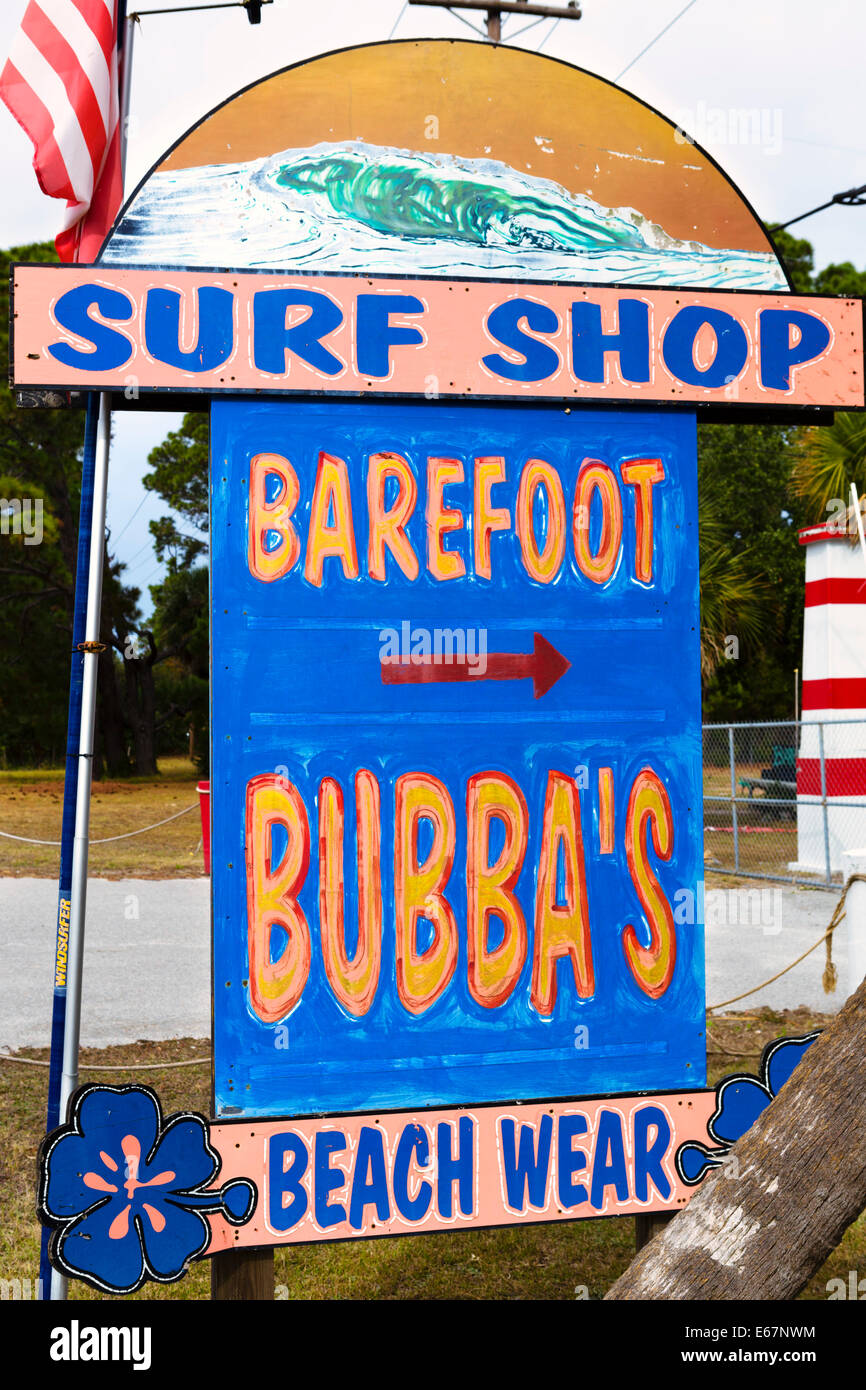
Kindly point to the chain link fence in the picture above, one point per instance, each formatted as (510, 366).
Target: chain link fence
(786, 800)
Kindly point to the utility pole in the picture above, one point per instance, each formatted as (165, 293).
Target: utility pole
(496, 11)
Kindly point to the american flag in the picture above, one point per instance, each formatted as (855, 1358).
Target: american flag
(61, 84)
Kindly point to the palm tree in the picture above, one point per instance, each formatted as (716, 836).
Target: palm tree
(829, 460)
(732, 600)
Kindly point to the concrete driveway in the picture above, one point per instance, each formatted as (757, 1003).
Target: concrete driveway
(147, 956)
(146, 960)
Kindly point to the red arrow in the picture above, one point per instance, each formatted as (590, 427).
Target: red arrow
(544, 665)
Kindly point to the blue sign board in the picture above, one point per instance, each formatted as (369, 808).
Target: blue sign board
(456, 772)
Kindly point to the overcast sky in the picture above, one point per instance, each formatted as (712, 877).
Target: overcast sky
(799, 63)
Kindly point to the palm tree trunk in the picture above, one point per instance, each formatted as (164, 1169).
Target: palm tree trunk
(760, 1227)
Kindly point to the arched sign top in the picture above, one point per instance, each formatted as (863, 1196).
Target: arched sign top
(439, 219)
(444, 158)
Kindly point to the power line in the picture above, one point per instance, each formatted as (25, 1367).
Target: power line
(661, 33)
(130, 569)
(851, 198)
(148, 577)
(823, 145)
(547, 36)
(509, 37)
(397, 20)
(140, 551)
(473, 27)
(116, 538)
(148, 544)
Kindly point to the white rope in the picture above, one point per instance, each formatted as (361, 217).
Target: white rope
(108, 838)
(838, 914)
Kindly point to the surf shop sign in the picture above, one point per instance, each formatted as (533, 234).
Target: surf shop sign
(85, 328)
(455, 659)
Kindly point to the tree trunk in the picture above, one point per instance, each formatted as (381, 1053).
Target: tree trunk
(110, 715)
(97, 770)
(760, 1228)
(141, 708)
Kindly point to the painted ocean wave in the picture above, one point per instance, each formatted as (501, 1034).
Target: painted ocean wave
(371, 210)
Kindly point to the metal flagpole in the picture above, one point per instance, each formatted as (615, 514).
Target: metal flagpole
(126, 27)
(70, 793)
(77, 899)
(69, 952)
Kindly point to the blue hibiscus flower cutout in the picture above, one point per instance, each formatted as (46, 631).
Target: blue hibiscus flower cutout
(739, 1102)
(127, 1194)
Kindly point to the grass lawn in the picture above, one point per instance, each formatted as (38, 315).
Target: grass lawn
(31, 804)
(539, 1262)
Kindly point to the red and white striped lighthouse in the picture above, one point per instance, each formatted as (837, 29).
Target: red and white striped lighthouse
(834, 694)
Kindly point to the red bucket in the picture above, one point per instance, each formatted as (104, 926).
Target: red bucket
(203, 790)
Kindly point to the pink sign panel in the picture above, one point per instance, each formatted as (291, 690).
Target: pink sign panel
(143, 330)
(131, 1194)
(391, 1174)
